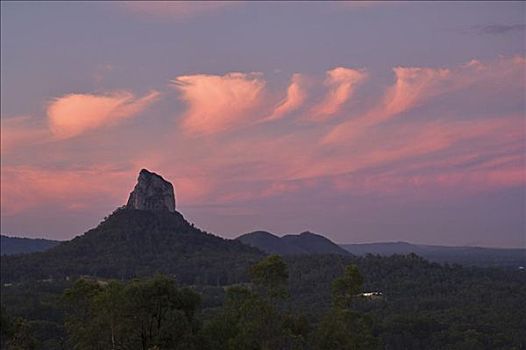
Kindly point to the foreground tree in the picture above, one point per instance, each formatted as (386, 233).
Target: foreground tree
(269, 278)
(346, 288)
(156, 314)
(15, 334)
(142, 314)
(251, 317)
(342, 328)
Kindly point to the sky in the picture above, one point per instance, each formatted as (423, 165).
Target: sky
(364, 122)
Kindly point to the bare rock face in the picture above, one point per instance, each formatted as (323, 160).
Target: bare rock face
(152, 192)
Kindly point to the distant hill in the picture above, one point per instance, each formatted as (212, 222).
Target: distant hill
(18, 245)
(443, 254)
(131, 243)
(303, 243)
(270, 243)
(314, 244)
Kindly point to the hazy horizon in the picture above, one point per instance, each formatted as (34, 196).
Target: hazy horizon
(338, 243)
(363, 122)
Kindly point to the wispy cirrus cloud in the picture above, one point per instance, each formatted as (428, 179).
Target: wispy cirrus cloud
(380, 151)
(30, 186)
(414, 86)
(75, 114)
(414, 143)
(296, 96)
(340, 83)
(22, 131)
(217, 103)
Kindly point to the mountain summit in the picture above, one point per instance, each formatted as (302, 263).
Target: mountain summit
(145, 237)
(152, 192)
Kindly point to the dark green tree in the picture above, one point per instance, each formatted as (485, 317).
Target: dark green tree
(142, 314)
(16, 334)
(83, 318)
(346, 288)
(6, 328)
(270, 277)
(251, 318)
(343, 328)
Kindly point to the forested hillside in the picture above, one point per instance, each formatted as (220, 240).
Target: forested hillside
(422, 305)
(132, 243)
(18, 245)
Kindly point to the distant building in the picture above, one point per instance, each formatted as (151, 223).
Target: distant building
(372, 295)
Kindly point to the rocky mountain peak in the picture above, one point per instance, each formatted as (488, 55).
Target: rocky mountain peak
(152, 192)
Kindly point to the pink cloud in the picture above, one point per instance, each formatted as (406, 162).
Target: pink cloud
(509, 70)
(21, 131)
(25, 187)
(176, 10)
(216, 103)
(413, 143)
(74, 114)
(415, 86)
(248, 167)
(425, 186)
(296, 95)
(341, 83)
(456, 151)
(485, 178)
(191, 190)
(412, 87)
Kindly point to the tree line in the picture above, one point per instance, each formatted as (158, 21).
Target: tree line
(156, 313)
(295, 302)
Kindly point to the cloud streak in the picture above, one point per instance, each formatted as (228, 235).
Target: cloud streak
(74, 114)
(381, 150)
(415, 86)
(21, 131)
(341, 83)
(29, 186)
(217, 103)
(296, 95)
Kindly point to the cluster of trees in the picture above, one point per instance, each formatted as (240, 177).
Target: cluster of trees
(141, 314)
(156, 313)
(295, 302)
(298, 302)
(424, 305)
(15, 333)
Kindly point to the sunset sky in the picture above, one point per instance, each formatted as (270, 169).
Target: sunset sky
(363, 122)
